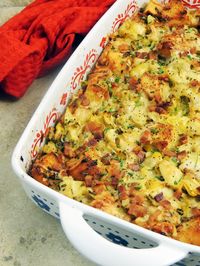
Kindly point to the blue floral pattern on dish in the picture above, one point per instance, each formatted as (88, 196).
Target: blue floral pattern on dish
(117, 239)
(41, 203)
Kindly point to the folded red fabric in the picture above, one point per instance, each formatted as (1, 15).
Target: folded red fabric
(40, 37)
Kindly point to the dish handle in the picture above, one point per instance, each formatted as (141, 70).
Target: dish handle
(103, 252)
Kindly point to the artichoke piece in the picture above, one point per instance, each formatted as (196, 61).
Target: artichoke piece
(170, 172)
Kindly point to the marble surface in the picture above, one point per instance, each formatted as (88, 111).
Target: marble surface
(28, 236)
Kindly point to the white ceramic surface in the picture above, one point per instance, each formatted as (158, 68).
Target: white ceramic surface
(87, 228)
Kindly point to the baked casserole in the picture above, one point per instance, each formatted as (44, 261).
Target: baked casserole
(129, 140)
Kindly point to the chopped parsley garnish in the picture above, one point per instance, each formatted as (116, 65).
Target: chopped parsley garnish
(160, 71)
(176, 149)
(184, 101)
(132, 53)
(130, 127)
(121, 163)
(159, 177)
(130, 174)
(59, 145)
(106, 130)
(154, 150)
(138, 187)
(117, 79)
(138, 103)
(111, 110)
(175, 160)
(154, 130)
(180, 211)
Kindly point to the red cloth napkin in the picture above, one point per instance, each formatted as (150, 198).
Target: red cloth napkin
(40, 37)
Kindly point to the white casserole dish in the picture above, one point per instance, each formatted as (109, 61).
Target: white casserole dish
(85, 226)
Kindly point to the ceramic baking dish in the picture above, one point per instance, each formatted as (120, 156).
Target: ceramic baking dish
(89, 229)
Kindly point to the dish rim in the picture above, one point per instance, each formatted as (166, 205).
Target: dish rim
(28, 180)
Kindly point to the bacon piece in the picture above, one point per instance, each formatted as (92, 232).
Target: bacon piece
(164, 228)
(98, 204)
(157, 109)
(165, 131)
(123, 193)
(184, 53)
(123, 48)
(133, 82)
(88, 180)
(140, 153)
(114, 181)
(193, 50)
(169, 153)
(68, 150)
(78, 171)
(183, 139)
(153, 55)
(114, 170)
(83, 169)
(94, 127)
(164, 49)
(61, 158)
(159, 197)
(141, 55)
(181, 155)
(165, 204)
(151, 108)
(164, 105)
(196, 212)
(160, 110)
(100, 92)
(92, 142)
(178, 193)
(136, 198)
(164, 77)
(106, 159)
(141, 156)
(146, 137)
(137, 210)
(194, 83)
(104, 201)
(158, 97)
(160, 145)
(134, 166)
(85, 101)
(98, 135)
